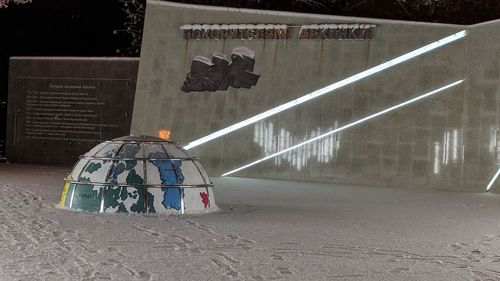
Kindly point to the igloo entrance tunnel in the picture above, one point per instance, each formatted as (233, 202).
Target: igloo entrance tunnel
(141, 175)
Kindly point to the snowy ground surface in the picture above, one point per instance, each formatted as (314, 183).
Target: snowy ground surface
(267, 230)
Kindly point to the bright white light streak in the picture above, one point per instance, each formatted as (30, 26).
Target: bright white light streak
(446, 147)
(454, 151)
(493, 180)
(436, 157)
(347, 126)
(327, 89)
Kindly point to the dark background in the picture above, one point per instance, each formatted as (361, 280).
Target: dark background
(443, 11)
(114, 27)
(61, 28)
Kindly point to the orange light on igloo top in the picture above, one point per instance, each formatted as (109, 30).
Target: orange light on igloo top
(164, 134)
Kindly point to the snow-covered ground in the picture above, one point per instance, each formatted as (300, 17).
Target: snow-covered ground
(267, 230)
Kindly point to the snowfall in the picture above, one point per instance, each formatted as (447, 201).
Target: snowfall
(266, 230)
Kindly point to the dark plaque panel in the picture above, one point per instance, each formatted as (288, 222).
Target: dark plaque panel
(55, 118)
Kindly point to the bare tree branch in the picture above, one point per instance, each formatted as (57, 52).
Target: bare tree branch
(5, 3)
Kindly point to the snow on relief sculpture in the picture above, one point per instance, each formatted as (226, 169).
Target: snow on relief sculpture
(220, 73)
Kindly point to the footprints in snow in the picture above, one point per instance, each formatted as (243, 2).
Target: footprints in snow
(225, 252)
(225, 266)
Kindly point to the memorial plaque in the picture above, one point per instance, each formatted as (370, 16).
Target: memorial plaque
(62, 108)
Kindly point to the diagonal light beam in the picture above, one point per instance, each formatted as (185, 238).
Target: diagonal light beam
(327, 89)
(493, 180)
(347, 126)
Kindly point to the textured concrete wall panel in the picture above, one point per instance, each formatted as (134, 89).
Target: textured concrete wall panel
(449, 141)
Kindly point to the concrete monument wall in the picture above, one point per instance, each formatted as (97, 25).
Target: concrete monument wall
(60, 107)
(448, 141)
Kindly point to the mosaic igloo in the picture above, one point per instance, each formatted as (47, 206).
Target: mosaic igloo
(140, 175)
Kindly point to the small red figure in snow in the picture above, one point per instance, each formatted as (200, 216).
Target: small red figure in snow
(204, 198)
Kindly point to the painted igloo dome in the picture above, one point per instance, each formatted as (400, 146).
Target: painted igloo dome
(140, 175)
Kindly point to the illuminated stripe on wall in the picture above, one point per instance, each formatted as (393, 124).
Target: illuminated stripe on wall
(493, 180)
(347, 126)
(327, 89)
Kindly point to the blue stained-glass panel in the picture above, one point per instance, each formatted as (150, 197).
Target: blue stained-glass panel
(170, 170)
(171, 198)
